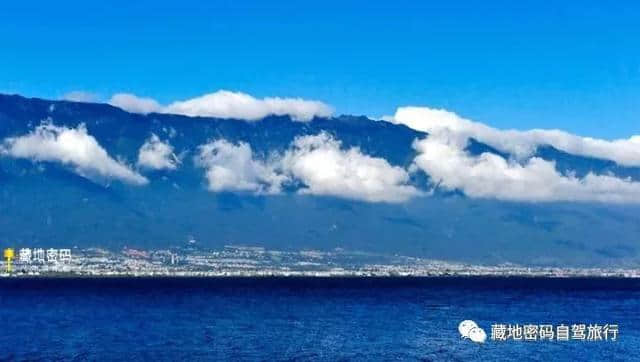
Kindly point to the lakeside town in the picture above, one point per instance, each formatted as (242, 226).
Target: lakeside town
(252, 261)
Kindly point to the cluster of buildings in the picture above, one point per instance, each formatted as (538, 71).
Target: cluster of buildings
(257, 261)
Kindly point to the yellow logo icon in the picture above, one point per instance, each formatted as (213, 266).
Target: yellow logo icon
(9, 255)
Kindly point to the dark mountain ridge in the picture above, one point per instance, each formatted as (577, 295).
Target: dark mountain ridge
(48, 204)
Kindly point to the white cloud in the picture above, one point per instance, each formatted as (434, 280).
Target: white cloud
(232, 167)
(316, 161)
(442, 155)
(70, 146)
(521, 144)
(80, 96)
(326, 169)
(227, 104)
(157, 155)
(132, 103)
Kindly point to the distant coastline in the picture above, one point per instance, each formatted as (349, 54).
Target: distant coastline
(235, 261)
(282, 276)
(100, 283)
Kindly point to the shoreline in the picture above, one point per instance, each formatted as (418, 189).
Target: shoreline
(289, 284)
(313, 276)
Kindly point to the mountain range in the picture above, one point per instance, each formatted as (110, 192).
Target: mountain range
(90, 174)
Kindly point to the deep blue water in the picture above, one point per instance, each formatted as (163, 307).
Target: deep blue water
(307, 319)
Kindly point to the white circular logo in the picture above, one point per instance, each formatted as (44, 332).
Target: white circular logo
(470, 330)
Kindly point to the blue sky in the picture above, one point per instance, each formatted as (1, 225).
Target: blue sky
(574, 66)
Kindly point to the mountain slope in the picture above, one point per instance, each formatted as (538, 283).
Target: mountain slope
(50, 204)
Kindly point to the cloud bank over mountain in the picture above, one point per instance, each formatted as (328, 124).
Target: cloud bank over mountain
(520, 144)
(157, 155)
(316, 162)
(232, 167)
(70, 146)
(227, 104)
(134, 104)
(444, 158)
(443, 155)
(325, 168)
(80, 96)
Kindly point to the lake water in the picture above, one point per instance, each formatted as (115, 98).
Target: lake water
(308, 318)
